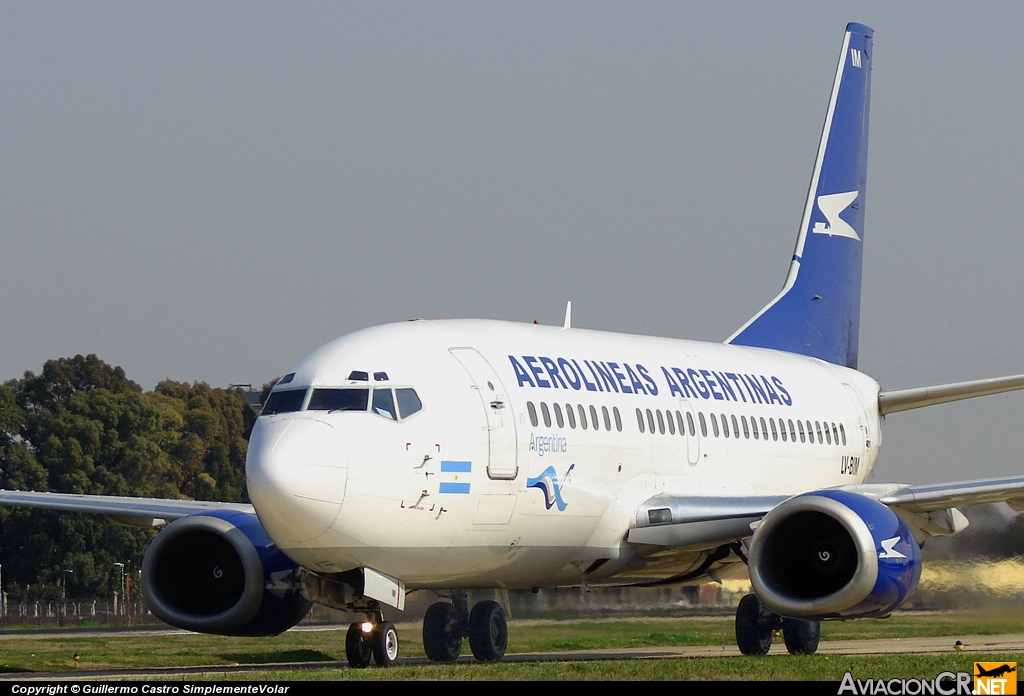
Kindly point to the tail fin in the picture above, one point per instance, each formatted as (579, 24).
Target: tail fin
(818, 311)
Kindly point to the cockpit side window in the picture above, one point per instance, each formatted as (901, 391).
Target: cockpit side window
(384, 404)
(284, 401)
(408, 402)
(339, 400)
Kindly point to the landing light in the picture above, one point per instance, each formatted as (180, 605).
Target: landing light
(367, 627)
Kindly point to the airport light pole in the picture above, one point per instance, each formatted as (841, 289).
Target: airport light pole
(64, 583)
(63, 596)
(120, 587)
(128, 593)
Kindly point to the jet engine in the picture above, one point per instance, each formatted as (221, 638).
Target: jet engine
(220, 573)
(833, 554)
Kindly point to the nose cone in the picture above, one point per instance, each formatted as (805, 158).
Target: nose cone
(295, 470)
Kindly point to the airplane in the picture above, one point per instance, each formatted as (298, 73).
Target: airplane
(455, 455)
(995, 671)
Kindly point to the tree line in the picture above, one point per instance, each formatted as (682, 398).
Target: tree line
(81, 426)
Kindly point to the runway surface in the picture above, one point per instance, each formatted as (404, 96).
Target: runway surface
(1006, 643)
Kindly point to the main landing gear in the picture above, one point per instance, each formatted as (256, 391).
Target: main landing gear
(445, 625)
(755, 625)
(376, 639)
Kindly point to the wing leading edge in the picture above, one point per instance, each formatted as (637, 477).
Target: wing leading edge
(138, 512)
(929, 509)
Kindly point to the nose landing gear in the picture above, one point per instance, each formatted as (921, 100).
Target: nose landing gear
(374, 638)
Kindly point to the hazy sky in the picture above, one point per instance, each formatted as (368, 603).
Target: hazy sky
(209, 191)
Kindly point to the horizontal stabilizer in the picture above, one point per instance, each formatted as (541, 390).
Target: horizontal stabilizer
(919, 397)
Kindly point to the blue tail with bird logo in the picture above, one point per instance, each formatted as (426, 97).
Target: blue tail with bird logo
(818, 311)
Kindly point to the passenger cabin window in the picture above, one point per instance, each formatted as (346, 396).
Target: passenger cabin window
(571, 415)
(533, 413)
(618, 418)
(583, 416)
(558, 416)
(593, 419)
(339, 400)
(607, 418)
(545, 413)
(640, 420)
(283, 402)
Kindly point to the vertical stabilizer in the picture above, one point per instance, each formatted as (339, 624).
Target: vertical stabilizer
(818, 311)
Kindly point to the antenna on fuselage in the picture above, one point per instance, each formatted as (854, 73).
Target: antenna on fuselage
(567, 324)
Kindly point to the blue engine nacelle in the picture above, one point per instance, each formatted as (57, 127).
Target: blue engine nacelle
(833, 554)
(219, 572)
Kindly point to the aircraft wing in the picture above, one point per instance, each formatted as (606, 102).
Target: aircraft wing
(706, 522)
(138, 512)
(698, 522)
(941, 496)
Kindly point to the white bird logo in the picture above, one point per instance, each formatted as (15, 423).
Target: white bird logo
(831, 205)
(888, 550)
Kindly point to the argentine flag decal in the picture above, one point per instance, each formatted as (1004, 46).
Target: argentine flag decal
(455, 477)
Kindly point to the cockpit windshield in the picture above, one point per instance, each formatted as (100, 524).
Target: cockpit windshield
(384, 404)
(284, 401)
(395, 404)
(408, 402)
(339, 400)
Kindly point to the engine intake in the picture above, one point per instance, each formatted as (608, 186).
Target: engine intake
(220, 573)
(833, 554)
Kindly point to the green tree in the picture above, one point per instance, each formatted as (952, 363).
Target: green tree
(81, 426)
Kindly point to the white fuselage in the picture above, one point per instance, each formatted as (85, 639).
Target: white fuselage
(490, 483)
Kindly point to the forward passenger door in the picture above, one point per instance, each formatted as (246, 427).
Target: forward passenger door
(501, 426)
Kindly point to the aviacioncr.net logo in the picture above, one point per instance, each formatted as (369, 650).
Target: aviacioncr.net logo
(995, 677)
(944, 684)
